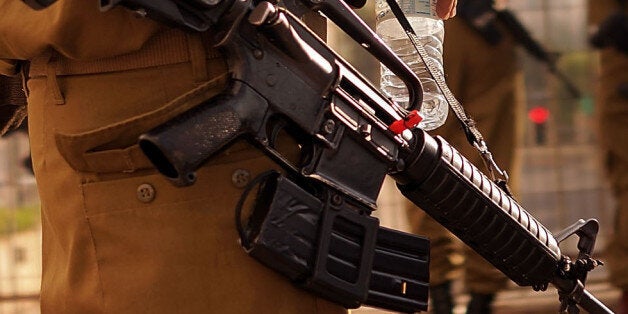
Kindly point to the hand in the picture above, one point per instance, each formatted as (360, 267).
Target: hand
(446, 8)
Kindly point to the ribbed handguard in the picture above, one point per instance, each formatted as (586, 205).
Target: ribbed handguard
(456, 194)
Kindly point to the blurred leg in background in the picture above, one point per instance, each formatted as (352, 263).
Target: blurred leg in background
(612, 105)
(12, 110)
(482, 72)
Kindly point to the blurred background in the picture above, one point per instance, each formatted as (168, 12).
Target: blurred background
(561, 177)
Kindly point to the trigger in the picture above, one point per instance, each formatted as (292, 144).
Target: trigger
(274, 128)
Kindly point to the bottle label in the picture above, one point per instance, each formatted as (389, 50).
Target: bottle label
(426, 8)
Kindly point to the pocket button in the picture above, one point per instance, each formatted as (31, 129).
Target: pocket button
(240, 178)
(146, 193)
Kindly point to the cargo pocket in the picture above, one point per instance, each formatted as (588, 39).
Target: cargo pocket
(92, 151)
(160, 247)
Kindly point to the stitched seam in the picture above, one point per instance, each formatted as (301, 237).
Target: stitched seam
(93, 240)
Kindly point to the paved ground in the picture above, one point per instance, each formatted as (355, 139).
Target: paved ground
(526, 301)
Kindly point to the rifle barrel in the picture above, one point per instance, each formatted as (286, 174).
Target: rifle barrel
(593, 305)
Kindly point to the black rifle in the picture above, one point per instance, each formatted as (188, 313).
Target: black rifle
(484, 18)
(314, 224)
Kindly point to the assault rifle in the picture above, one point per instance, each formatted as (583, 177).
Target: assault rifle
(313, 223)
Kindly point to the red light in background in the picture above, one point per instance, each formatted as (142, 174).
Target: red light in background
(538, 114)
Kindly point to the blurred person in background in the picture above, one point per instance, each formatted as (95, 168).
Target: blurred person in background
(610, 18)
(482, 71)
(12, 111)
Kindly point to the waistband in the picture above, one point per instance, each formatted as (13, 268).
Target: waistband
(169, 47)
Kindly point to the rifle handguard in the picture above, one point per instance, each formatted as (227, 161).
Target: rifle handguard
(456, 194)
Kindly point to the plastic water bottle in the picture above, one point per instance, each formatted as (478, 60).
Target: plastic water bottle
(422, 16)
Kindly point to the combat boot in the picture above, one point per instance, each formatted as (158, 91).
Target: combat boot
(441, 299)
(480, 303)
(623, 303)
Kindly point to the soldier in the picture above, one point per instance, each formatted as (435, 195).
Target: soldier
(482, 72)
(612, 114)
(118, 237)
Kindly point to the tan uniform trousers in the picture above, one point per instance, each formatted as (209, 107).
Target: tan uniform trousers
(117, 236)
(484, 79)
(612, 111)
(613, 126)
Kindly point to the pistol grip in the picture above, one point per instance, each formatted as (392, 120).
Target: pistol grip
(180, 146)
